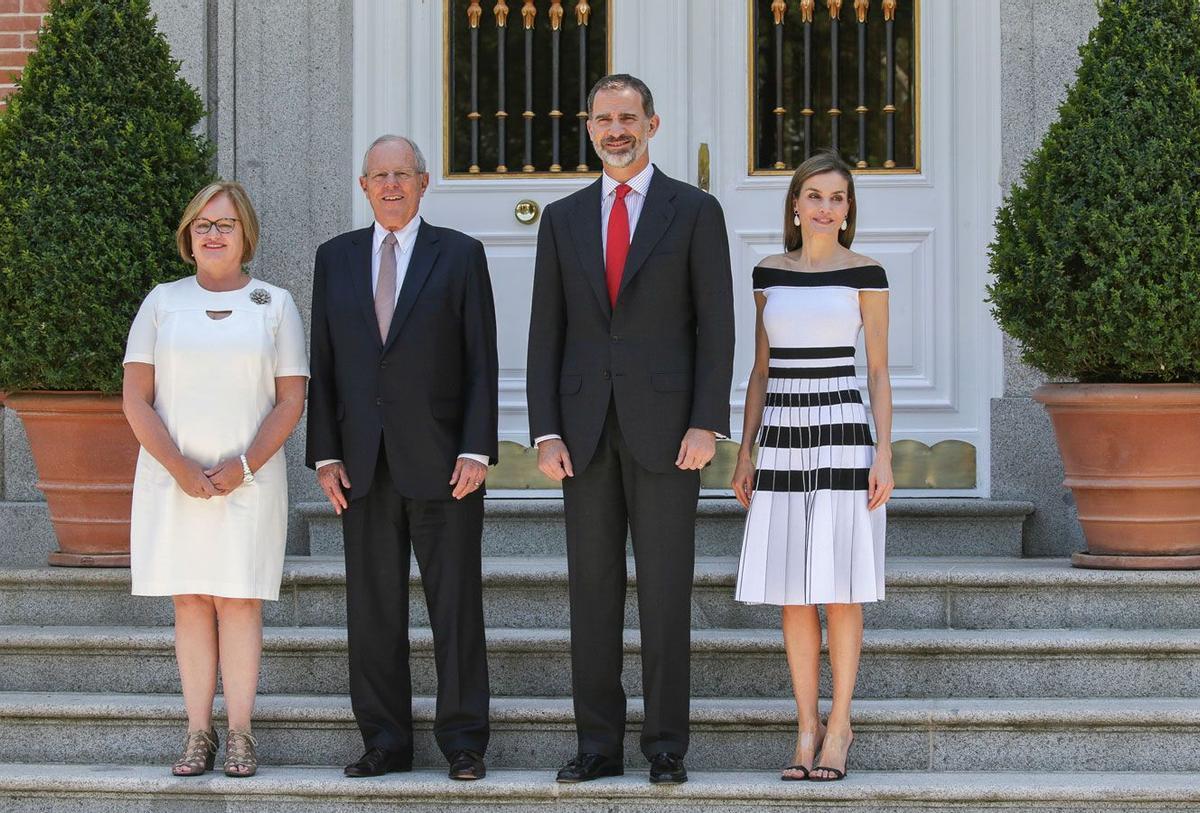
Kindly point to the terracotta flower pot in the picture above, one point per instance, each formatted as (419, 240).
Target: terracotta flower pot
(85, 455)
(1132, 458)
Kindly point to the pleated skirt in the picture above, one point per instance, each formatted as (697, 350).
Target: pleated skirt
(809, 538)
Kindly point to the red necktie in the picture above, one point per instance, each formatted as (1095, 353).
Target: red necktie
(617, 247)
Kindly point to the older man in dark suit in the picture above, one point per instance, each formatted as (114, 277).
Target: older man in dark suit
(630, 362)
(402, 420)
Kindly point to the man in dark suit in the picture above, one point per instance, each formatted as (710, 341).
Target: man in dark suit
(402, 424)
(630, 361)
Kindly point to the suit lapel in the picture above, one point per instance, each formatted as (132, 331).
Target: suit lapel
(657, 213)
(585, 228)
(359, 263)
(424, 253)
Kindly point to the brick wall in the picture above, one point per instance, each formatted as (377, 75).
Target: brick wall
(19, 22)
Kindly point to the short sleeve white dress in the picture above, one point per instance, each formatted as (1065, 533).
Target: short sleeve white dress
(214, 384)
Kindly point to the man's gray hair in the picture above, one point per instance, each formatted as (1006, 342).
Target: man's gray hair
(384, 139)
(623, 81)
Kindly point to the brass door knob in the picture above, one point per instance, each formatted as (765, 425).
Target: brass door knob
(527, 211)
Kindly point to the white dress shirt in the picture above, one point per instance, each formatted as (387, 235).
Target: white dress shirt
(638, 186)
(405, 238)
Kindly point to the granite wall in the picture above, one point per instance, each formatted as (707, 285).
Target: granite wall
(1039, 45)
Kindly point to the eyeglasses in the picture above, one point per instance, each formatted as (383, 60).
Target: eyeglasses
(224, 225)
(401, 175)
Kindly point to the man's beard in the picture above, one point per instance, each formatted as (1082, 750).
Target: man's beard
(622, 159)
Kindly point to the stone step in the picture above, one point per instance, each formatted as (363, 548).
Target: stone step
(125, 789)
(531, 592)
(533, 527)
(945, 734)
(916, 527)
(725, 663)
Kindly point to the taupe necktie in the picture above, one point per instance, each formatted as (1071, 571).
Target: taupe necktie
(385, 288)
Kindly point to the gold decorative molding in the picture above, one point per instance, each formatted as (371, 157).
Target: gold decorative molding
(889, 9)
(779, 8)
(835, 8)
(528, 13)
(474, 12)
(518, 469)
(555, 14)
(582, 12)
(949, 464)
(807, 8)
(861, 7)
(501, 12)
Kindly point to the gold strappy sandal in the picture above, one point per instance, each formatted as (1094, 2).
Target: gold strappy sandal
(240, 759)
(199, 754)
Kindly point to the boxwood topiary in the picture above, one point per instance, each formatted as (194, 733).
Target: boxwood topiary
(97, 161)
(1097, 250)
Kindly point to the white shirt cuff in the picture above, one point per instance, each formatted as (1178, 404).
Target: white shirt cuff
(478, 458)
(321, 463)
(545, 437)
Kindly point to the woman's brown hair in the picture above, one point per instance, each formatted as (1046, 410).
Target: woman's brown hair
(824, 161)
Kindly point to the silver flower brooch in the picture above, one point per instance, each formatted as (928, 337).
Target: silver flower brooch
(260, 296)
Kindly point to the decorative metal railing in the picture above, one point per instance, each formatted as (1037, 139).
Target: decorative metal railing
(801, 51)
(540, 78)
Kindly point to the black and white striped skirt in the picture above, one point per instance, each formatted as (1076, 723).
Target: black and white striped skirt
(809, 537)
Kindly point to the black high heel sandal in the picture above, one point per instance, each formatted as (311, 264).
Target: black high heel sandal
(799, 768)
(837, 775)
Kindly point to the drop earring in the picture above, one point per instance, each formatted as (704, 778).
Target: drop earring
(795, 218)
(845, 225)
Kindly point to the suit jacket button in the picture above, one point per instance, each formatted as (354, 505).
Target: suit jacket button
(378, 402)
(383, 363)
(605, 374)
(616, 338)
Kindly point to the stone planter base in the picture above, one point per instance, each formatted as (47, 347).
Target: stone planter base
(60, 559)
(1110, 562)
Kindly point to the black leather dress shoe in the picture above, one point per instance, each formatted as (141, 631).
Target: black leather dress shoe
(667, 769)
(377, 762)
(586, 767)
(467, 765)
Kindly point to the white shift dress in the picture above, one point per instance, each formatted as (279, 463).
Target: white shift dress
(809, 537)
(214, 384)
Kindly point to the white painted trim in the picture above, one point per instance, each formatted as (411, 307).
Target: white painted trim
(379, 102)
(977, 42)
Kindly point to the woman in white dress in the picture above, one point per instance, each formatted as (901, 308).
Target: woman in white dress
(815, 527)
(215, 377)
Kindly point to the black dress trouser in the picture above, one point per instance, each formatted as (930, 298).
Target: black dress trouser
(612, 496)
(380, 529)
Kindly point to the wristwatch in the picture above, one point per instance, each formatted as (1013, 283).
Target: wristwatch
(247, 475)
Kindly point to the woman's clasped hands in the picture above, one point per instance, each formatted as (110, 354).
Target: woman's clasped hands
(216, 481)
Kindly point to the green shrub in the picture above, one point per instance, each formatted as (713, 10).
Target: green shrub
(1097, 250)
(97, 162)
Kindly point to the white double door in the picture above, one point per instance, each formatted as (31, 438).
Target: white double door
(929, 229)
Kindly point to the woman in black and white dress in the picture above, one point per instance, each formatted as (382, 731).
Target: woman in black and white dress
(815, 528)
